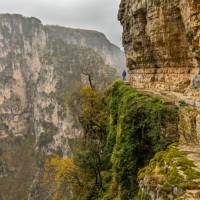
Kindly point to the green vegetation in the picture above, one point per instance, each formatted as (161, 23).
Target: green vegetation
(47, 136)
(3, 126)
(174, 168)
(190, 36)
(49, 109)
(123, 129)
(182, 103)
(135, 130)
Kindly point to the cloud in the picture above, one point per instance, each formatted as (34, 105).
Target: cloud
(98, 15)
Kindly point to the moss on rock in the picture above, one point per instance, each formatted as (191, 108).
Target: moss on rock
(140, 126)
(169, 173)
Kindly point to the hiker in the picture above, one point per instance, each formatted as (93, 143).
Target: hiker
(124, 75)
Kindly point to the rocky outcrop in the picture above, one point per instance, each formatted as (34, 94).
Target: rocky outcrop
(39, 72)
(162, 44)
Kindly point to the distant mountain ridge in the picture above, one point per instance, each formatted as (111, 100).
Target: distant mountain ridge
(96, 40)
(92, 39)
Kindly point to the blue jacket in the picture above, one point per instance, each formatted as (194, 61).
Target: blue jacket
(124, 73)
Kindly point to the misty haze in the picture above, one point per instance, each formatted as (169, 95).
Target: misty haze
(100, 100)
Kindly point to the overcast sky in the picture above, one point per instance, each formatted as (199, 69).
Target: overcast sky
(98, 15)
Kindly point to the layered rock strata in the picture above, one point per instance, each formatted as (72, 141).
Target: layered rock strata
(162, 46)
(162, 43)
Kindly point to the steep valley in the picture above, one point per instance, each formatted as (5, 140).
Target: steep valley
(70, 131)
(41, 68)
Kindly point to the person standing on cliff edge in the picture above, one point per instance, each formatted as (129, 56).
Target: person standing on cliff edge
(124, 75)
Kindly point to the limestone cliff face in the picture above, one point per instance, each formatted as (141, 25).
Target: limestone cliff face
(35, 64)
(162, 46)
(90, 39)
(162, 43)
(39, 72)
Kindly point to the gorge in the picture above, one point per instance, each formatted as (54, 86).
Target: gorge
(69, 130)
(41, 68)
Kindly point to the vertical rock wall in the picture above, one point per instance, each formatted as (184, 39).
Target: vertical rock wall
(161, 39)
(162, 43)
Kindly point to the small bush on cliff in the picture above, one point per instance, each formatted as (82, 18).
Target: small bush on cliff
(190, 36)
(47, 136)
(66, 176)
(182, 103)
